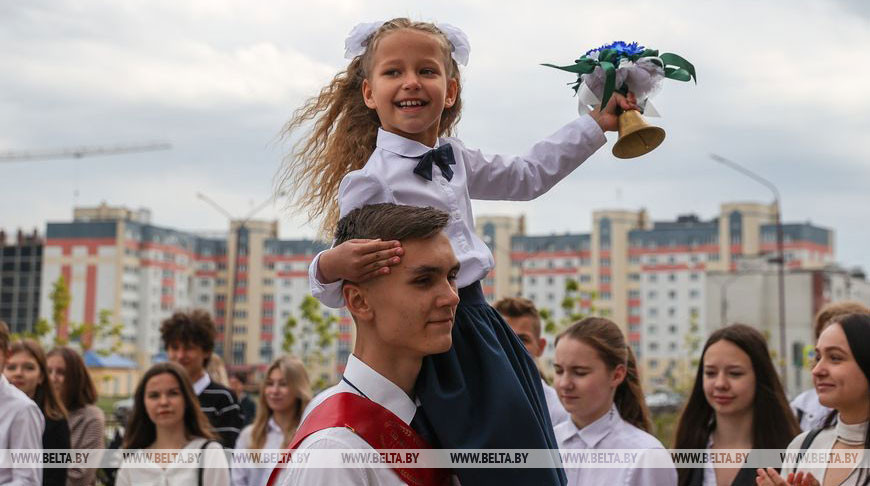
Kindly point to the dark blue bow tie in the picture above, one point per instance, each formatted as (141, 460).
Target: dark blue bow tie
(442, 157)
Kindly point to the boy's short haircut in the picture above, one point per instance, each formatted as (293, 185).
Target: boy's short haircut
(242, 377)
(387, 221)
(4, 337)
(194, 328)
(836, 310)
(520, 307)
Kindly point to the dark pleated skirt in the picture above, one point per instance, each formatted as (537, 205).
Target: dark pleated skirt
(485, 393)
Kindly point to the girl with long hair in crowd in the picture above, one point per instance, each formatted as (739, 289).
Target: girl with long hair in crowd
(598, 383)
(166, 416)
(737, 402)
(26, 368)
(378, 136)
(840, 376)
(71, 381)
(284, 394)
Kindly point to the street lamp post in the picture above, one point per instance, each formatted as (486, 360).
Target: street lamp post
(233, 265)
(780, 258)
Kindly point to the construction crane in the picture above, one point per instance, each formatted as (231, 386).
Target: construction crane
(80, 152)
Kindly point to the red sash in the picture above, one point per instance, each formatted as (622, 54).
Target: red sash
(379, 427)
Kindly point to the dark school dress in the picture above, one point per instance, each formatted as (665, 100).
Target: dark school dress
(485, 393)
(55, 436)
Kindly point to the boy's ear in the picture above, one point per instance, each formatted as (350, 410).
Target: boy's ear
(357, 302)
(367, 94)
(452, 92)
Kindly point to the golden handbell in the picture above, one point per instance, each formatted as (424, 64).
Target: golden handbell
(636, 136)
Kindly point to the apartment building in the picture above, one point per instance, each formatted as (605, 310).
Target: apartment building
(249, 280)
(651, 276)
(20, 268)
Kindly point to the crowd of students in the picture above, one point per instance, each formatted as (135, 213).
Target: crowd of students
(595, 402)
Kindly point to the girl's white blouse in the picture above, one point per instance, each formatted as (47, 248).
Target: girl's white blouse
(388, 177)
(215, 471)
(651, 464)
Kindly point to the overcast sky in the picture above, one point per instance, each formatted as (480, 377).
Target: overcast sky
(779, 91)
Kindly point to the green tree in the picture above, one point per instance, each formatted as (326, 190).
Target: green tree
(103, 331)
(42, 328)
(314, 332)
(573, 307)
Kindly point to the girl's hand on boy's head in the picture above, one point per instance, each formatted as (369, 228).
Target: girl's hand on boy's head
(358, 260)
(608, 119)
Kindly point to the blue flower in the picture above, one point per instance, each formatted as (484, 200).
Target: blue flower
(621, 48)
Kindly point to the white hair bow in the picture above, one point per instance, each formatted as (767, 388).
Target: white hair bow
(361, 34)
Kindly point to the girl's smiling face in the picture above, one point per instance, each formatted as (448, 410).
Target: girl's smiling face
(837, 377)
(408, 84)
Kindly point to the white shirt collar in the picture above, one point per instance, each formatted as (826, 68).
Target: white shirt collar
(400, 145)
(200, 384)
(379, 389)
(273, 426)
(592, 433)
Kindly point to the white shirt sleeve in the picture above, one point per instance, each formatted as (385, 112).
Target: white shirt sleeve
(309, 476)
(216, 470)
(356, 190)
(522, 178)
(241, 476)
(29, 426)
(649, 470)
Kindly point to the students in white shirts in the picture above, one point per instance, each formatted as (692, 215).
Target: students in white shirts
(166, 416)
(284, 394)
(737, 402)
(810, 413)
(523, 317)
(21, 423)
(841, 378)
(598, 383)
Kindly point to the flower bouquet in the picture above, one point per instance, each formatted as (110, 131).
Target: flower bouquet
(624, 67)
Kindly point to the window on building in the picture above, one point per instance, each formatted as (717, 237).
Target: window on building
(653, 363)
(672, 294)
(652, 312)
(268, 298)
(672, 311)
(634, 294)
(604, 262)
(634, 277)
(652, 294)
(239, 352)
(585, 278)
(672, 329)
(672, 277)
(605, 296)
(605, 278)
(653, 329)
(653, 277)
(694, 293)
(653, 346)
(267, 282)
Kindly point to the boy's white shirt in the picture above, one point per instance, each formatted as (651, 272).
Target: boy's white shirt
(21, 427)
(388, 177)
(378, 389)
